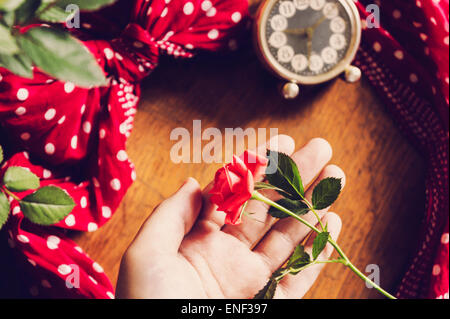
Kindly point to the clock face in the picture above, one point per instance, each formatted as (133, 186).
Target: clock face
(307, 38)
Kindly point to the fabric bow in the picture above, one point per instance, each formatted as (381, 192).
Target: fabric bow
(80, 133)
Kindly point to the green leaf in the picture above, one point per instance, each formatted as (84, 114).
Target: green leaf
(326, 192)
(53, 14)
(47, 206)
(319, 244)
(18, 64)
(287, 176)
(1, 154)
(18, 179)
(4, 209)
(26, 11)
(8, 18)
(299, 259)
(268, 291)
(7, 43)
(62, 56)
(295, 206)
(10, 5)
(86, 4)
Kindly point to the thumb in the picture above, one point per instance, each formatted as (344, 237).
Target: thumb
(166, 227)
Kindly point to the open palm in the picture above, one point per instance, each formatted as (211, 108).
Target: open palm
(184, 250)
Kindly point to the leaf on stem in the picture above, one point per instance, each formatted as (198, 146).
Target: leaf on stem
(268, 291)
(47, 206)
(59, 54)
(286, 176)
(1, 154)
(19, 64)
(326, 192)
(7, 43)
(86, 4)
(26, 11)
(295, 206)
(19, 179)
(4, 209)
(10, 5)
(300, 258)
(319, 244)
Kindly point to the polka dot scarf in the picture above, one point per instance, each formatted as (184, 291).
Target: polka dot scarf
(407, 62)
(80, 134)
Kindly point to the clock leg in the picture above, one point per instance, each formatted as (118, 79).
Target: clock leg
(352, 74)
(290, 90)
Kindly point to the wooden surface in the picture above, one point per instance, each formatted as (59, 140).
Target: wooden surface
(382, 203)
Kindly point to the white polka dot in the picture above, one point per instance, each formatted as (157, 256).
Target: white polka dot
(211, 12)
(102, 133)
(64, 269)
(22, 94)
(50, 149)
(236, 17)
(118, 56)
(413, 78)
(23, 239)
(16, 210)
(444, 238)
(115, 184)
(50, 114)
(87, 127)
(46, 284)
(106, 212)
(97, 267)
(213, 34)
(377, 46)
(32, 262)
(138, 44)
(83, 108)
(122, 156)
(46, 173)
(436, 270)
(396, 14)
(399, 54)
(189, 46)
(164, 12)
(93, 280)
(74, 142)
(83, 202)
(108, 53)
(61, 120)
(423, 36)
(25, 136)
(69, 87)
(206, 5)
(53, 242)
(188, 8)
(110, 295)
(78, 248)
(34, 291)
(70, 220)
(92, 227)
(21, 111)
(446, 40)
(133, 175)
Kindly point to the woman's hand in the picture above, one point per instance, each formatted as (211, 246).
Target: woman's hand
(184, 250)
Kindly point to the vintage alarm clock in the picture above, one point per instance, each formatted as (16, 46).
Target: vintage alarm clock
(308, 42)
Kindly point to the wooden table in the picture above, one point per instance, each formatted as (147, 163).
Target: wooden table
(381, 206)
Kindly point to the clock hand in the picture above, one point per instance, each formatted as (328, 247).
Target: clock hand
(318, 22)
(296, 31)
(309, 33)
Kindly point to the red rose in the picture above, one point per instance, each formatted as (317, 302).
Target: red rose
(234, 184)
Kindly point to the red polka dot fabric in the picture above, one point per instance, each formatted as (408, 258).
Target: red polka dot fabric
(75, 137)
(407, 61)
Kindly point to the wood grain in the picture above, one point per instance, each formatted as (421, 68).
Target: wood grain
(381, 206)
